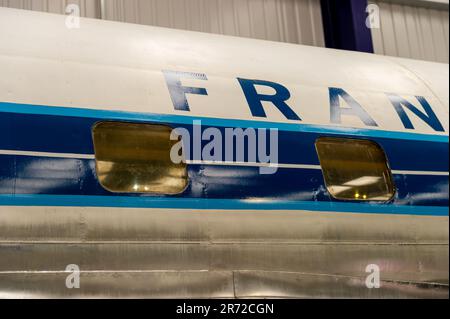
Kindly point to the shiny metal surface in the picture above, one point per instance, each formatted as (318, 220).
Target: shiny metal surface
(151, 253)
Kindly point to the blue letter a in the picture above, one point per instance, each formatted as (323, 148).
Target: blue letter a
(355, 108)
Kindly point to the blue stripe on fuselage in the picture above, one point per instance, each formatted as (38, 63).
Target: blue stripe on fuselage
(216, 204)
(68, 130)
(214, 122)
(22, 175)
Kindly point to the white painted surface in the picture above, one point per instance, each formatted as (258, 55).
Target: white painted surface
(412, 32)
(116, 66)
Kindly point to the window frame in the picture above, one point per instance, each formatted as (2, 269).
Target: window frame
(98, 123)
(386, 161)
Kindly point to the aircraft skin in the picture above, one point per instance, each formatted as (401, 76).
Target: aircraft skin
(233, 232)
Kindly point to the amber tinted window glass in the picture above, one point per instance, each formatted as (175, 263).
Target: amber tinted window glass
(355, 169)
(135, 158)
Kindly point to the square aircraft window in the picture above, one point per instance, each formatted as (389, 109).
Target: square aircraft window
(135, 158)
(355, 169)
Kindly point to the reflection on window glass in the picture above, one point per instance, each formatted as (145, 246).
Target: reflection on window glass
(135, 158)
(355, 169)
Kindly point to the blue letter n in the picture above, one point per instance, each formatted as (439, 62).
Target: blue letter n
(429, 117)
